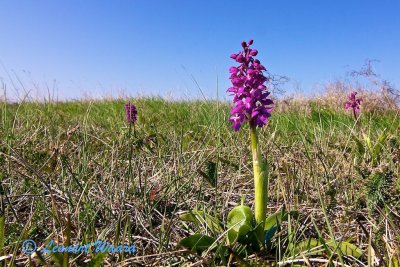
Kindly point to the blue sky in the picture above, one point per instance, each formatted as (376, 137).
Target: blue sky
(102, 48)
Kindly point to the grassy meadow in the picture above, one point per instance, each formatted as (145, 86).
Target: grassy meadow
(66, 176)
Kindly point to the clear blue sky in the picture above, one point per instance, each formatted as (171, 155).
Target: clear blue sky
(153, 47)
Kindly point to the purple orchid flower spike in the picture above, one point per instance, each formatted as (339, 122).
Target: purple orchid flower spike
(130, 113)
(353, 103)
(250, 95)
(252, 104)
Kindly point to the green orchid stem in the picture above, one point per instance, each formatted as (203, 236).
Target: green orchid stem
(260, 183)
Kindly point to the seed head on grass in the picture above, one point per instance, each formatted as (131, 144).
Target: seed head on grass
(250, 94)
(130, 113)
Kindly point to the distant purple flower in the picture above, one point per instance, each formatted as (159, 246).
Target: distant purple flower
(130, 113)
(250, 95)
(353, 102)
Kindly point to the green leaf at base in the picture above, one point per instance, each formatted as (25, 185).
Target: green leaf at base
(197, 242)
(240, 221)
(313, 246)
(201, 217)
